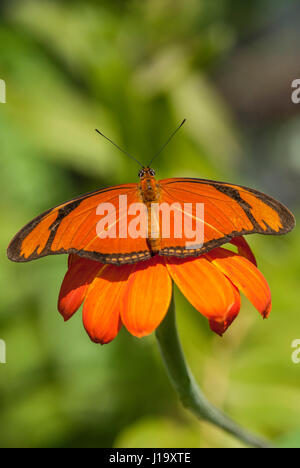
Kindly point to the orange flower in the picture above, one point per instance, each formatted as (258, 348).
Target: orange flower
(138, 295)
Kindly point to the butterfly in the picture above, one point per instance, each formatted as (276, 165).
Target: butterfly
(230, 211)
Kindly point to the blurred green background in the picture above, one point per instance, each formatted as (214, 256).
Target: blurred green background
(135, 69)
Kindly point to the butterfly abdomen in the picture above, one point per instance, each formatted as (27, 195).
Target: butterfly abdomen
(150, 193)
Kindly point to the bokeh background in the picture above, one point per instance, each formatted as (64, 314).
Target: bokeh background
(135, 69)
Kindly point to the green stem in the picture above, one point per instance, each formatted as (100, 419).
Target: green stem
(186, 386)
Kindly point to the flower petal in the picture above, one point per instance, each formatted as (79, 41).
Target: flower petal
(207, 289)
(244, 249)
(147, 297)
(101, 308)
(80, 274)
(220, 326)
(244, 276)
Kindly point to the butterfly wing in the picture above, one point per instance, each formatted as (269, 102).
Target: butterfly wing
(73, 228)
(229, 211)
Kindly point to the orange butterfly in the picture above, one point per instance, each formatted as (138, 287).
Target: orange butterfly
(73, 227)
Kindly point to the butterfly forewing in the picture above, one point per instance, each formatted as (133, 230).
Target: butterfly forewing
(73, 227)
(228, 211)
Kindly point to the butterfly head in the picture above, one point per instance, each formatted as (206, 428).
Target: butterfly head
(146, 172)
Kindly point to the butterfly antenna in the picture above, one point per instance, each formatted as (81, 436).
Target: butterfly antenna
(168, 141)
(123, 151)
